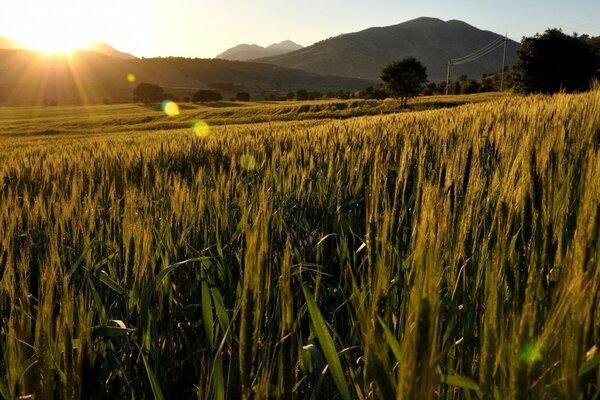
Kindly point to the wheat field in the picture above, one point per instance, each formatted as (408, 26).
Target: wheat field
(438, 254)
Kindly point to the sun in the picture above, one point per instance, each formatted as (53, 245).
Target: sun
(59, 26)
(57, 42)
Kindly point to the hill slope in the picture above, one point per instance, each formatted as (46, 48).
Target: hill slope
(430, 40)
(245, 52)
(27, 77)
(104, 48)
(8, 43)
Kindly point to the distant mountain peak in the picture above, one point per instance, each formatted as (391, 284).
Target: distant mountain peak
(285, 45)
(102, 47)
(247, 52)
(433, 41)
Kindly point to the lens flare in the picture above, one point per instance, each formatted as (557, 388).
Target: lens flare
(131, 78)
(248, 162)
(170, 108)
(531, 352)
(201, 128)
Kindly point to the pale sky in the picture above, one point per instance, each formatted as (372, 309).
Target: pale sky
(200, 28)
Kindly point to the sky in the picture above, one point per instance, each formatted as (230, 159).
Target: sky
(200, 28)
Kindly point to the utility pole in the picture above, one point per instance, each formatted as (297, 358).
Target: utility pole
(448, 78)
(503, 62)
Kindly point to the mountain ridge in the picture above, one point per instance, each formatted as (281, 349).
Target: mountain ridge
(431, 40)
(28, 78)
(247, 52)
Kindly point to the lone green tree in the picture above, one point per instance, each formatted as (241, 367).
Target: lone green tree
(147, 93)
(554, 61)
(405, 78)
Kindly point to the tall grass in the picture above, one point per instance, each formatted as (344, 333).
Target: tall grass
(441, 254)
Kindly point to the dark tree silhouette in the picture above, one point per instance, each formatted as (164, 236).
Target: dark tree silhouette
(404, 78)
(552, 62)
(243, 96)
(202, 96)
(147, 93)
(301, 95)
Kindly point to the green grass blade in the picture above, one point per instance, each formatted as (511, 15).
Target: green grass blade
(108, 281)
(392, 342)
(327, 345)
(207, 312)
(156, 390)
(589, 365)
(461, 382)
(4, 389)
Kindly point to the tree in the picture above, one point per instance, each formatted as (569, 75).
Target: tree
(552, 62)
(243, 96)
(148, 93)
(404, 78)
(301, 95)
(202, 96)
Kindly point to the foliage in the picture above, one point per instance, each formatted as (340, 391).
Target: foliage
(243, 96)
(301, 95)
(405, 78)
(552, 62)
(448, 253)
(204, 95)
(148, 93)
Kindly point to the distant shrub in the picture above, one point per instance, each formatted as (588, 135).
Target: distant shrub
(147, 93)
(203, 95)
(243, 96)
(301, 95)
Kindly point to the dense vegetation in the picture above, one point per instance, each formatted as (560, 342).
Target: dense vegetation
(553, 62)
(436, 254)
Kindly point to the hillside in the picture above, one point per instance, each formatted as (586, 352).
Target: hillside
(27, 77)
(246, 52)
(104, 48)
(430, 40)
(8, 43)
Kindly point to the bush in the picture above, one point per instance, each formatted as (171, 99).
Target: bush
(202, 96)
(147, 93)
(301, 95)
(243, 96)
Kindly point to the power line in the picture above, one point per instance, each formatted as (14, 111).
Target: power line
(485, 50)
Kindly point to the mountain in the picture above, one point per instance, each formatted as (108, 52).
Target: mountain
(27, 77)
(103, 48)
(8, 43)
(245, 52)
(433, 41)
(286, 45)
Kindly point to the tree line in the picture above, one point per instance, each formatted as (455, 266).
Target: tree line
(546, 63)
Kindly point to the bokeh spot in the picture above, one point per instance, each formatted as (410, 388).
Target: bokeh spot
(170, 108)
(530, 352)
(131, 78)
(201, 128)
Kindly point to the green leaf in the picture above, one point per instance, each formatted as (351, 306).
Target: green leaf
(221, 310)
(392, 342)
(108, 281)
(589, 365)
(4, 389)
(207, 312)
(461, 382)
(162, 274)
(327, 345)
(110, 332)
(156, 390)
(82, 256)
